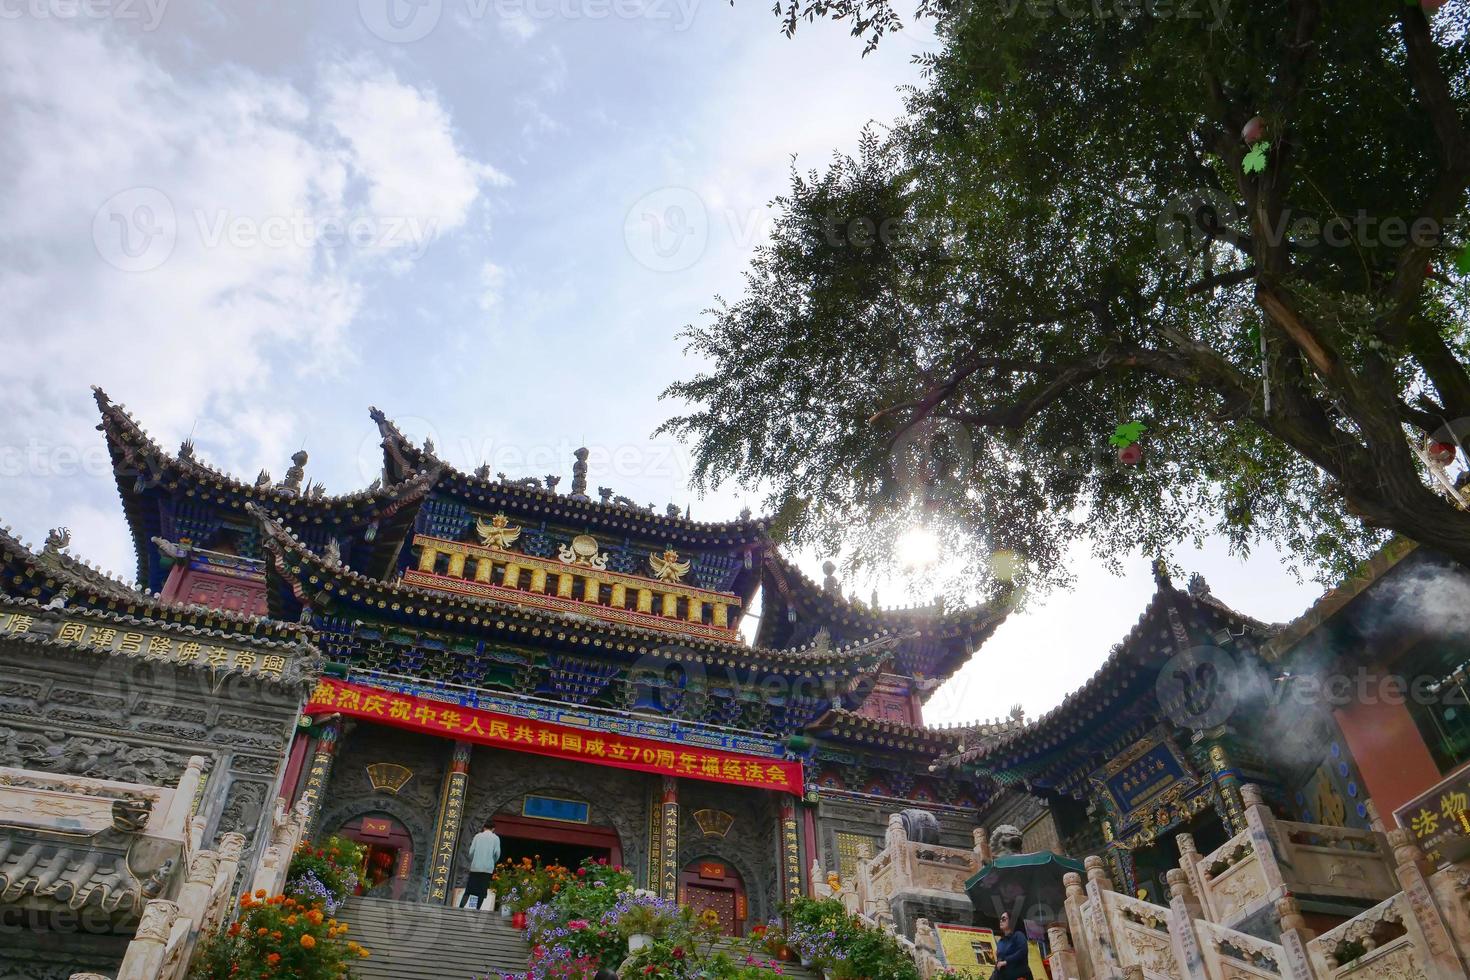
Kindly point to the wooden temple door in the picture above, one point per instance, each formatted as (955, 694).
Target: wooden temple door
(716, 887)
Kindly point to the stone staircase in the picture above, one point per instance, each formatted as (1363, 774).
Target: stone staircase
(430, 942)
(736, 950)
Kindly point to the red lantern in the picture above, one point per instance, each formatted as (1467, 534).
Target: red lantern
(1130, 455)
(1442, 453)
(1430, 6)
(1254, 131)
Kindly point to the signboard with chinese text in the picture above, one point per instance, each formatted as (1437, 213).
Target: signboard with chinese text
(1132, 783)
(561, 741)
(1439, 819)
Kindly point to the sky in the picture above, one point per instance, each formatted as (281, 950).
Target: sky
(489, 218)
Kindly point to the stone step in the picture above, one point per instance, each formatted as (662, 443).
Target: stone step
(430, 942)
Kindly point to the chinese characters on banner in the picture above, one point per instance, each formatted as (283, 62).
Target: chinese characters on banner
(561, 741)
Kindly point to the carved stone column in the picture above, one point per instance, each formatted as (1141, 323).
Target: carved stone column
(145, 953)
(1063, 957)
(1294, 938)
(231, 850)
(668, 843)
(1412, 875)
(1260, 824)
(1072, 881)
(1101, 945)
(1189, 864)
(1183, 910)
(198, 889)
(451, 818)
(176, 824)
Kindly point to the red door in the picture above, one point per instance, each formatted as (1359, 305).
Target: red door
(389, 853)
(713, 886)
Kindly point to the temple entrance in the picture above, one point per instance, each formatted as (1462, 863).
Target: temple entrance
(710, 885)
(389, 849)
(556, 842)
(1151, 864)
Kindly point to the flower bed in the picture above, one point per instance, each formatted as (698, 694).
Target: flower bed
(586, 922)
(294, 934)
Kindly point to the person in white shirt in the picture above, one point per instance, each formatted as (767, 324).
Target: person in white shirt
(484, 856)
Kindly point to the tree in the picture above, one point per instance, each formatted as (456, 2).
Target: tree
(1232, 238)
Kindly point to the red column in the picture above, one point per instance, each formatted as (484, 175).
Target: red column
(295, 762)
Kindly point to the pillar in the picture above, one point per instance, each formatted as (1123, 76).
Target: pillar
(722, 615)
(451, 818)
(670, 605)
(456, 564)
(295, 766)
(1063, 959)
(1227, 779)
(144, 957)
(564, 585)
(1183, 910)
(484, 569)
(591, 588)
(538, 579)
(668, 865)
(320, 773)
(695, 612)
(645, 600)
(790, 850)
(1412, 872)
(181, 808)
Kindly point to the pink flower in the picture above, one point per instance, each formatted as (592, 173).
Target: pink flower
(577, 925)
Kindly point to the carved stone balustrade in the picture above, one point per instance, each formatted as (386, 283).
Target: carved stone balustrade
(909, 880)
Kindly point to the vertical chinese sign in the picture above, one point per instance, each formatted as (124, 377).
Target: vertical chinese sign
(451, 816)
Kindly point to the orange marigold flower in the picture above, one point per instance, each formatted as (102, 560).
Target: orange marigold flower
(308, 941)
(260, 893)
(261, 931)
(314, 917)
(273, 959)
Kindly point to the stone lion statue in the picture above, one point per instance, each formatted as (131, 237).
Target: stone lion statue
(1005, 841)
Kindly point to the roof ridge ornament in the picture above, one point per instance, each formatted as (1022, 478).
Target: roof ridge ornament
(295, 474)
(668, 567)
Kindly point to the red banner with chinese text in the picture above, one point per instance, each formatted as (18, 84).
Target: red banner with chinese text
(562, 741)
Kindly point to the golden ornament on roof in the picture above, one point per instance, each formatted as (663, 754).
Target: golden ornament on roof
(497, 533)
(669, 568)
(583, 550)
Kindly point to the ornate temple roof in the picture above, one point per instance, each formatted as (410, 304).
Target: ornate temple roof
(298, 577)
(793, 607)
(927, 741)
(51, 574)
(1339, 597)
(375, 520)
(607, 513)
(1117, 705)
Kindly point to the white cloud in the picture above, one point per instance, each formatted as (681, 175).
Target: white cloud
(492, 287)
(252, 183)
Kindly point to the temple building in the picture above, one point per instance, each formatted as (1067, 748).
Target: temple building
(570, 663)
(1224, 798)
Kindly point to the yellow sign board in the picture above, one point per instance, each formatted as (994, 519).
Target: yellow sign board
(970, 952)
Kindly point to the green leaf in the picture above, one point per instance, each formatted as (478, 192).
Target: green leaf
(1462, 261)
(1255, 160)
(1126, 434)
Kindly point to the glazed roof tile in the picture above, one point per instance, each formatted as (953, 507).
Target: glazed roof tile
(401, 455)
(66, 872)
(134, 453)
(45, 574)
(304, 572)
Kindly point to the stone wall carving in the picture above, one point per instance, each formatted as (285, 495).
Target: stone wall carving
(244, 807)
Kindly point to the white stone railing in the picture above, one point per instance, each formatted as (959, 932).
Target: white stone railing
(274, 860)
(905, 865)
